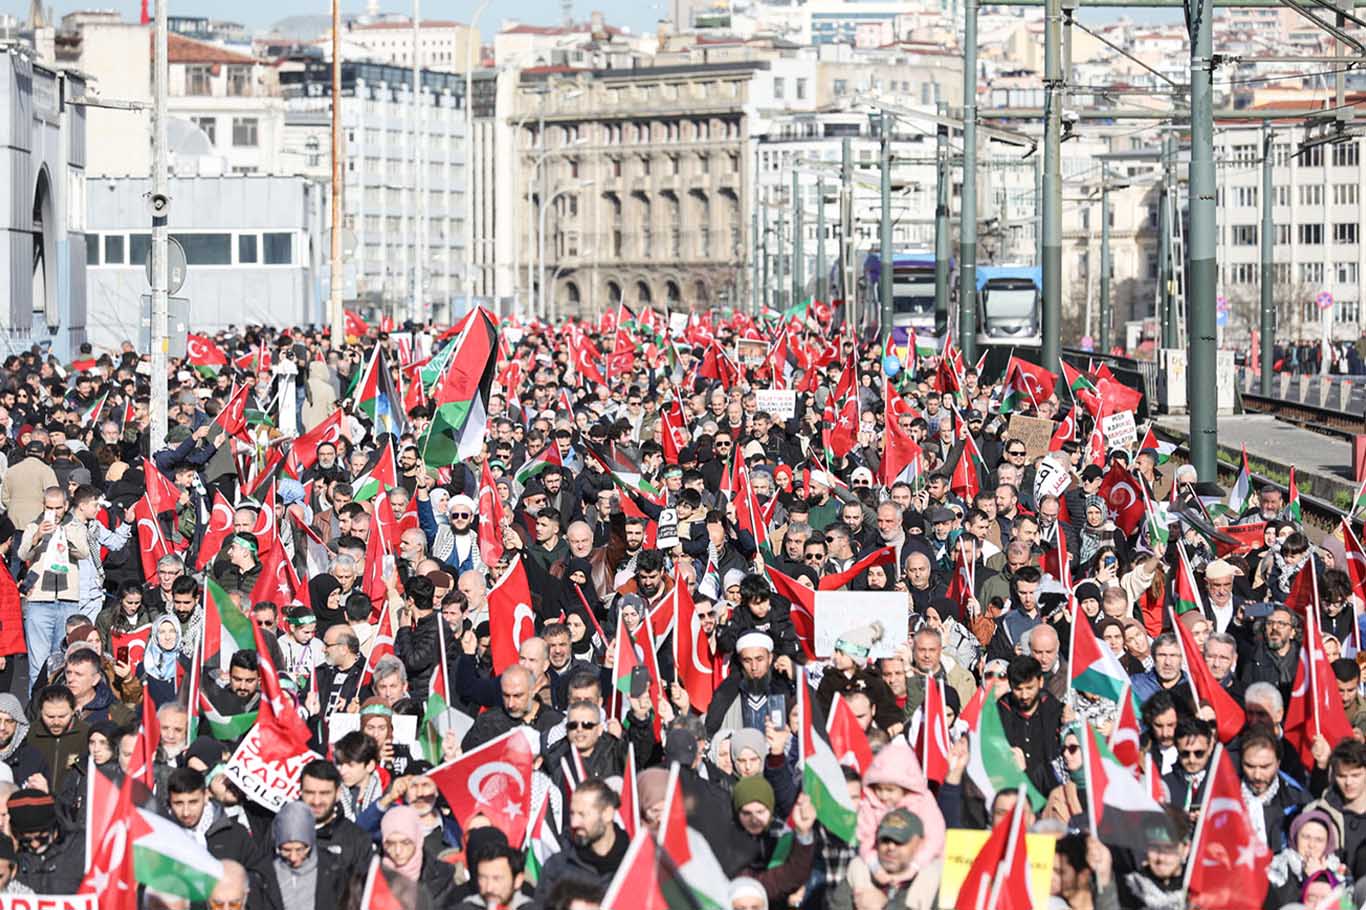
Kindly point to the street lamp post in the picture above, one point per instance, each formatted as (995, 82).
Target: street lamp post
(540, 242)
(469, 151)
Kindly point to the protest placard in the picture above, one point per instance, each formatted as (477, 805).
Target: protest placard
(1119, 430)
(839, 611)
(47, 902)
(269, 783)
(1050, 479)
(780, 404)
(961, 847)
(751, 352)
(1034, 432)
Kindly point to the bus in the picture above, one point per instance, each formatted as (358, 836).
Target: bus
(1010, 305)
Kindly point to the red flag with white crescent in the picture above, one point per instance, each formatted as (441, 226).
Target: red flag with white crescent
(693, 654)
(511, 619)
(494, 781)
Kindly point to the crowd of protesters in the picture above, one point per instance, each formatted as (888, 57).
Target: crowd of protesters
(602, 556)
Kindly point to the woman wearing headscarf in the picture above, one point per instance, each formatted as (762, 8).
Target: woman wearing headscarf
(325, 594)
(401, 839)
(320, 396)
(161, 659)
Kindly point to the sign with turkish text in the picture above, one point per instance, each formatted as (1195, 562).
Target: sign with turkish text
(780, 404)
(1034, 432)
(268, 783)
(48, 902)
(1120, 430)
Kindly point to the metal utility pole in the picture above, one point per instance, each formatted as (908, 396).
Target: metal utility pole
(1172, 211)
(885, 256)
(1267, 278)
(419, 210)
(967, 227)
(763, 240)
(1103, 341)
(755, 288)
(1200, 303)
(847, 289)
(798, 253)
(941, 224)
(1052, 182)
(780, 241)
(335, 315)
(822, 271)
(1164, 271)
(160, 205)
(470, 169)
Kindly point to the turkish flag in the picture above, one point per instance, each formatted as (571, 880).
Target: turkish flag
(377, 546)
(693, 654)
(152, 543)
(218, 531)
(1229, 717)
(1315, 706)
(511, 619)
(494, 781)
(490, 518)
(999, 876)
(900, 452)
(1126, 736)
(1066, 431)
(304, 451)
(233, 417)
(841, 432)
(109, 873)
(847, 739)
(163, 495)
(283, 732)
(882, 556)
(749, 515)
(803, 609)
(140, 765)
(932, 744)
(1228, 861)
(1121, 491)
(1250, 537)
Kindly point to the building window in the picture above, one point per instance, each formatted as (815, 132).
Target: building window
(1346, 272)
(1346, 155)
(801, 89)
(206, 249)
(246, 249)
(113, 249)
(244, 132)
(1311, 195)
(139, 248)
(1244, 235)
(1347, 311)
(279, 248)
(1282, 235)
(1345, 232)
(208, 126)
(1311, 273)
(1282, 195)
(199, 79)
(1311, 157)
(1280, 154)
(239, 81)
(1280, 273)
(1244, 273)
(1245, 196)
(1311, 233)
(778, 90)
(92, 249)
(841, 87)
(1345, 193)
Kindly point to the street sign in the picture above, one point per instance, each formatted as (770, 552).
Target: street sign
(177, 324)
(1324, 299)
(1221, 311)
(175, 266)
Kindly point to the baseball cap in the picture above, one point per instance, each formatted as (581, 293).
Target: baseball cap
(900, 825)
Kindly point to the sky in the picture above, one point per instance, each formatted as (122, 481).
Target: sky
(640, 17)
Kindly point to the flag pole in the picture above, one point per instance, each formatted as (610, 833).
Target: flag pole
(1012, 843)
(1210, 771)
(1311, 627)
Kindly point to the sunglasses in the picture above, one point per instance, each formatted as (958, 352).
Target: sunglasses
(1016, 452)
(1071, 748)
(1192, 753)
(462, 515)
(993, 676)
(572, 725)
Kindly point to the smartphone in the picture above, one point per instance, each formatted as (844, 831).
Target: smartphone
(121, 655)
(777, 711)
(49, 515)
(1111, 561)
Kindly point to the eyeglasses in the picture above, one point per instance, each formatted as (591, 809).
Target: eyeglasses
(572, 725)
(1071, 748)
(1279, 624)
(722, 443)
(1192, 753)
(1014, 452)
(462, 515)
(991, 675)
(236, 903)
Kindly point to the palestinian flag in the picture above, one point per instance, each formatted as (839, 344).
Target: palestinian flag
(541, 842)
(1358, 501)
(380, 479)
(167, 859)
(1077, 381)
(228, 728)
(205, 357)
(435, 367)
(648, 879)
(1095, 669)
(1241, 496)
(1164, 450)
(1292, 508)
(91, 415)
(548, 457)
(1187, 595)
(438, 699)
(1121, 810)
(373, 394)
(624, 474)
(822, 779)
(460, 399)
(226, 630)
(696, 862)
(1015, 391)
(991, 765)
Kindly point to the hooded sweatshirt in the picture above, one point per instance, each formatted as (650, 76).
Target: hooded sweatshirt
(298, 886)
(897, 764)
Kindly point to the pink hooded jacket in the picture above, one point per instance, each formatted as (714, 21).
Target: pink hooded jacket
(897, 764)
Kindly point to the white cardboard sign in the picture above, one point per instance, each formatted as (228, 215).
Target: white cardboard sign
(1119, 429)
(781, 404)
(839, 611)
(48, 902)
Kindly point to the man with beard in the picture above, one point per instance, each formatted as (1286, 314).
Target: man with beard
(1275, 655)
(1031, 718)
(747, 698)
(455, 543)
(518, 708)
(320, 788)
(648, 580)
(24, 760)
(756, 838)
(596, 843)
(338, 681)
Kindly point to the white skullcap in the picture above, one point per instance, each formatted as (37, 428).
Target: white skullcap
(754, 640)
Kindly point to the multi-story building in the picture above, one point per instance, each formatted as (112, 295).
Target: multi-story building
(404, 176)
(44, 140)
(1317, 194)
(442, 46)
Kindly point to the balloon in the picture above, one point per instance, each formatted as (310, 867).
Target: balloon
(891, 365)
